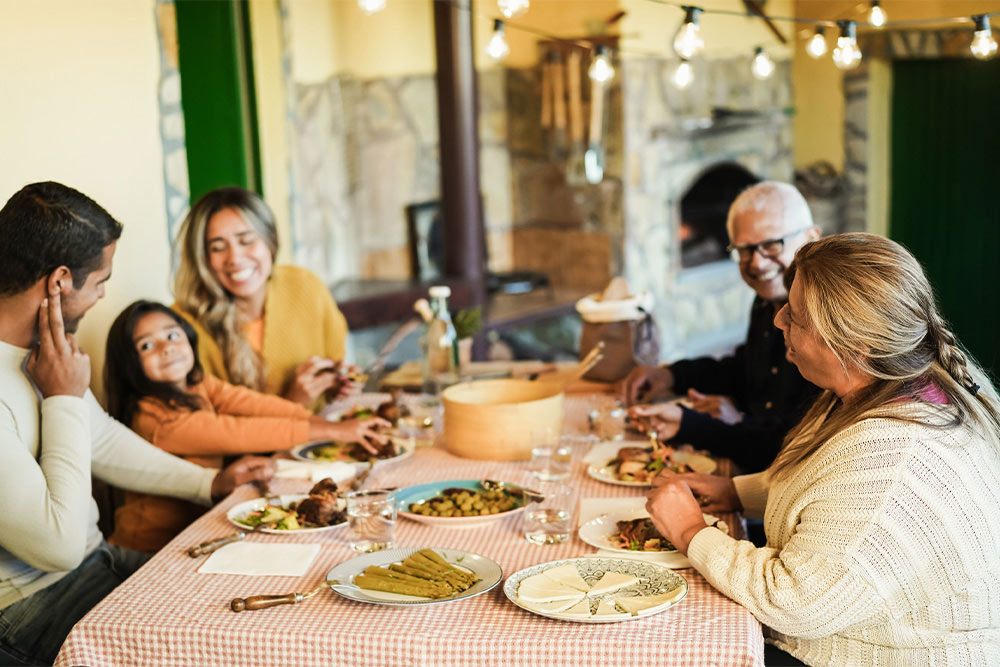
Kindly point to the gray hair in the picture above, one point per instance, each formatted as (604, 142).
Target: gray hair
(772, 196)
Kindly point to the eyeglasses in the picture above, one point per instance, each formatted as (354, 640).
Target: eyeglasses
(769, 248)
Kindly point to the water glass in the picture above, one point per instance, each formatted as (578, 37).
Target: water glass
(548, 516)
(371, 518)
(550, 462)
(610, 421)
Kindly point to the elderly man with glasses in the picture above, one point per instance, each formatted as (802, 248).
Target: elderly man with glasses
(740, 406)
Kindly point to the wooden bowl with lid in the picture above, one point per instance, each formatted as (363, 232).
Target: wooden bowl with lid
(494, 419)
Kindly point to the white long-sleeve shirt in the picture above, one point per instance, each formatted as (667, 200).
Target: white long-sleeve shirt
(883, 548)
(48, 450)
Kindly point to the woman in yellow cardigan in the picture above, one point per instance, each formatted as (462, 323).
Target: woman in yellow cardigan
(275, 329)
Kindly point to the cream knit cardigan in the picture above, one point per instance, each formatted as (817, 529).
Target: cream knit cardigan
(883, 548)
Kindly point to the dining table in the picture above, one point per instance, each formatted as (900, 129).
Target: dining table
(169, 613)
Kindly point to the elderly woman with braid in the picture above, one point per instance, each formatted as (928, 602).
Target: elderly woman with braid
(883, 543)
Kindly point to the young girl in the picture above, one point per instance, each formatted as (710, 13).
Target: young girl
(155, 383)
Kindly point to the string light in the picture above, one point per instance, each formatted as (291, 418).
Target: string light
(983, 44)
(847, 55)
(369, 7)
(683, 76)
(763, 66)
(513, 8)
(817, 43)
(497, 48)
(688, 41)
(877, 15)
(601, 69)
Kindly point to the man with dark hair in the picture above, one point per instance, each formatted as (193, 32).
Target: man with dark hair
(56, 249)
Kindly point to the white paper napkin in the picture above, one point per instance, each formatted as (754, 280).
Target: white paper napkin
(256, 558)
(602, 452)
(339, 471)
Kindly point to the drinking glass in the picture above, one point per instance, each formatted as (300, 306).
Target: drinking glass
(550, 462)
(548, 516)
(371, 518)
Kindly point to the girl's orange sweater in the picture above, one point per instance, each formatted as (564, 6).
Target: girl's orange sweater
(233, 421)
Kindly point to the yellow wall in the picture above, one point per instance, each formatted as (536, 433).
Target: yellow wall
(272, 129)
(819, 122)
(79, 91)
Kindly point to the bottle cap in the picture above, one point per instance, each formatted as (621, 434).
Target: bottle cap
(440, 291)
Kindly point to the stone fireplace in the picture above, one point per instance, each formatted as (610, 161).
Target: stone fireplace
(727, 121)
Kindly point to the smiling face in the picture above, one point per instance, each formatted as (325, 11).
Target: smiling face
(77, 301)
(163, 349)
(238, 257)
(765, 275)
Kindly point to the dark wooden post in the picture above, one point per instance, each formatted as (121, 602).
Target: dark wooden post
(458, 106)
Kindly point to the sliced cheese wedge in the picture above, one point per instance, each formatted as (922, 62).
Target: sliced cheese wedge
(606, 608)
(553, 607)
(634, 605)
(612, 581)
(580, 610)
(567, 575)
(538, 588)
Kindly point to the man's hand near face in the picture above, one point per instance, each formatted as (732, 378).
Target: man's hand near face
(57, 366)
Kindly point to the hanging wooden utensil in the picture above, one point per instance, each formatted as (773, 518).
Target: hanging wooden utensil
(593, 160)
(546, 121)
(575, 171)
(558, 152)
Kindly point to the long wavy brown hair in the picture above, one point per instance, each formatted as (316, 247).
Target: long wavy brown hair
(868, 299)
(201, 294)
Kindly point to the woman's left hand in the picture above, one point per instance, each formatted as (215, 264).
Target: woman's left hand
(674, 510)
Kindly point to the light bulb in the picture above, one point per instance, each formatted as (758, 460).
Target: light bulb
(763, 66)
(497, 48)
(683, 76)
(877, 15)
(513, 8)
(817, 44)
(847, 55)
(371, 6)
(601, 69)
(688, 41)
(983, 44)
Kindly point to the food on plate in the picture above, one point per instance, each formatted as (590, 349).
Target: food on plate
(422, 574)
(642, 464)
(635, 604)
(392, 410)
(606, 607)
(457, 502)
(321, 508)
(561, 590)
(641, 535)
(352, 451)
(612, 581)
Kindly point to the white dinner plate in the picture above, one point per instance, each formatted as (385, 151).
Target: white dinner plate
(421, 492)
(653, 579)
(241, 510)
(698, 463)
(600, 531)
(341, 577)
(303, 452)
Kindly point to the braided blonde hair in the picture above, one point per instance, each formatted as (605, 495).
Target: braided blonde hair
(868, 299)
(200, 293)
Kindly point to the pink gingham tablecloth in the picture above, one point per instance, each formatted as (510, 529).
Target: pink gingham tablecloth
(169, 614)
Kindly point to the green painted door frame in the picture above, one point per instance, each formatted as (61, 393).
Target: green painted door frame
(217, 94)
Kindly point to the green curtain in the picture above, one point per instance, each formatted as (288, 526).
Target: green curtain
(217, 94)
(945, 199)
